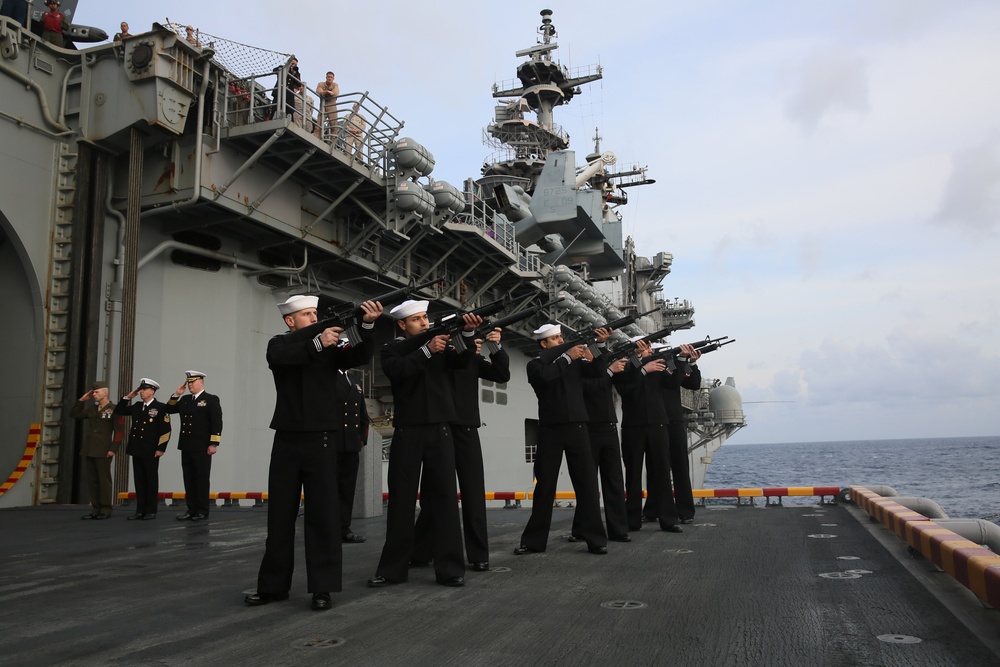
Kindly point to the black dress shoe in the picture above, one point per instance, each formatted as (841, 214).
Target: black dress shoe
(687, 520)
(257, 599)
(135, 517)
(620, 538)
(378, 581)
(522, 550)
(352, 538)
(199, 517)
(599, 551)
(481, 567)
(187, 516)
(574, 538)
(149, 517)
(454, 582)
(672, 528)
(321, 601)
(99, 517)
(88, 517)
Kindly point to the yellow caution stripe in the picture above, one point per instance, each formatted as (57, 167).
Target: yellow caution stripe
(975, 567)
(34, 436)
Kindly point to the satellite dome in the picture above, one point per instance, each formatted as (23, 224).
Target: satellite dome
(726, 403)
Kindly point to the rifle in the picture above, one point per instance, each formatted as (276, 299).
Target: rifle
(504, 322)
(348, 316)
(703, 346)
(449, 324)
(589, 338)
(628, 348)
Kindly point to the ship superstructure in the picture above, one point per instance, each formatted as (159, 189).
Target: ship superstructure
(159, 196)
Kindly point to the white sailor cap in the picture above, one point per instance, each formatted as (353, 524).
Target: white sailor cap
(296, 303)
(407, 308)
(343, 341)
(657, 346)
(146, 383)
(545, 331)
(635, 338)
(194, 375)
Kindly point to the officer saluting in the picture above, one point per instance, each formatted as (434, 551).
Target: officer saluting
(147, 442)
(201, 433)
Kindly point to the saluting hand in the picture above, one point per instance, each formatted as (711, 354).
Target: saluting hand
(372, 309)
(330, 336)
(87, 395)
(180, 389)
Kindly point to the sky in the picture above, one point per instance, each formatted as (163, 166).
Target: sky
(827, 173)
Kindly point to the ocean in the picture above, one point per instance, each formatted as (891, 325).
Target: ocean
(960, 474)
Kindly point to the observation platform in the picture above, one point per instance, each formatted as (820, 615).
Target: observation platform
(804, 584)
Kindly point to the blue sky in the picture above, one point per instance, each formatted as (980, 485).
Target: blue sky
(828, 174)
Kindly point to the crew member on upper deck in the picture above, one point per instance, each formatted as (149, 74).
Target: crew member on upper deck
(54, 24)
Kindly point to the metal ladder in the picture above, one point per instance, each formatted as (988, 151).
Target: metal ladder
(57, 320)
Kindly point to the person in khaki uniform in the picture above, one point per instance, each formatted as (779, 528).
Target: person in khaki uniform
(356, 125)
(101, 439)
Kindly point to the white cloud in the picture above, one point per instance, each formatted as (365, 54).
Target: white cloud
(971, 199)
(829, 83)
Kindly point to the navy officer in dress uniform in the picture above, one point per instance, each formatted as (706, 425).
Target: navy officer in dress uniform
(310, 400)
(562, 427)
(422, 416)
(147, 442)
(201, 434)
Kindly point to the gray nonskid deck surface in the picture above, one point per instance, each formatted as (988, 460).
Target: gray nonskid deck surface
(740, 587)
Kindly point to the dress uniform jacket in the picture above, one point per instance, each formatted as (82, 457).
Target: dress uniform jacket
(150, 427)
(104, 428)
(307, 381)
(201, 420)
